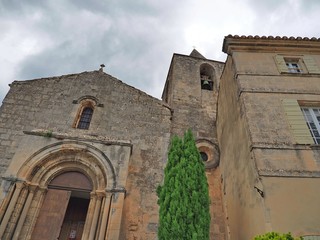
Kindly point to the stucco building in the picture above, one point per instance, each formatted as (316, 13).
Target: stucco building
(82, 154)
(268, 134)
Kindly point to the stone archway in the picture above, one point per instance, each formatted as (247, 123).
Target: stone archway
(42, 174)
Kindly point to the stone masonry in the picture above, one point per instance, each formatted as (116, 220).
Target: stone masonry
(123, 116)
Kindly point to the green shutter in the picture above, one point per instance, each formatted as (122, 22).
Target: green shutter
(281, 64)
(297, 122)
(311, 64)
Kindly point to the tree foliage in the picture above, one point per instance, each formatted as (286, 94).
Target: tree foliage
(183, 197)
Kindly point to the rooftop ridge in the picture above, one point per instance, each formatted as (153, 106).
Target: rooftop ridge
(272, 37)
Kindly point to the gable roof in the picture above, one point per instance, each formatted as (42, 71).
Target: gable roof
(86, 76)
(196, 54)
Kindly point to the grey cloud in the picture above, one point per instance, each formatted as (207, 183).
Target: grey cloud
(265, 7)
(133, 48)
(134, 39)
(14, 8)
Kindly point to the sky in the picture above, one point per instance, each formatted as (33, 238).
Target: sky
(134, 39)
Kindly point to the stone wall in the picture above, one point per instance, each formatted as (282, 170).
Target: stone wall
(192, 107)
(196, 108)
(122, 113)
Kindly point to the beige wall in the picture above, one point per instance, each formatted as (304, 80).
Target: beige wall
(263, 62)
(257, 145)
(293, 204)
(243, 205)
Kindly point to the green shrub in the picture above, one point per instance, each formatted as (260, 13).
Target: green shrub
(47, 133)
(276, 236)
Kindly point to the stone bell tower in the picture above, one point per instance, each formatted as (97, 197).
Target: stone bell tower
(191, 90)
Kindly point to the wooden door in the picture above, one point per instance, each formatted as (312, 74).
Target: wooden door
(51, 215)
(74, 220)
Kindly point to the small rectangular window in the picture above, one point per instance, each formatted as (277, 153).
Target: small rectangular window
(293, 66)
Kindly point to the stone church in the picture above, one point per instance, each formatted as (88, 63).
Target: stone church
(81, 155)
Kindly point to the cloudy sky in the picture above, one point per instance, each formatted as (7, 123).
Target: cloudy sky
(134, 39)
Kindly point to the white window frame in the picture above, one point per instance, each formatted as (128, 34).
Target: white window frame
(293, 66)
(313, 113)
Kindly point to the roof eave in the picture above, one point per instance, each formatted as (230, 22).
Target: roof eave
(270, 44)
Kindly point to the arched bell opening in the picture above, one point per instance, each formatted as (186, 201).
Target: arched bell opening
(206, 77)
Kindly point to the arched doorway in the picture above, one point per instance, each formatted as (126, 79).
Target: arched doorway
(70, 175)
(64, 207)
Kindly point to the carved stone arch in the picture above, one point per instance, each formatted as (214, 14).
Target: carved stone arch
(207, 69)
(46, 176)
(49, 217)
(52, 160)
(47, 205)
(93, 99)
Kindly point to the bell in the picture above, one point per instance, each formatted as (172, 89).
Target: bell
(205, 83)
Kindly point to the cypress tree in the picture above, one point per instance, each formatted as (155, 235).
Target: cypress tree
(183, 197)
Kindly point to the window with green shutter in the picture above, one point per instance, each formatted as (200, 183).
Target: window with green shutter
(297, 122)
(297, 64)
(311, 65)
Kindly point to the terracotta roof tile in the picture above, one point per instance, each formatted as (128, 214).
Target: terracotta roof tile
(272, 37)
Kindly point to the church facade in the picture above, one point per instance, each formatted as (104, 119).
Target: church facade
(82, 154)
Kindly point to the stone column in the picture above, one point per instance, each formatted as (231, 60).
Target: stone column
(32, 189)
(105, 215)
(115, 215)
(10, 208)
(39, 197)
(6, 200)
(87, 226)
(95, 216)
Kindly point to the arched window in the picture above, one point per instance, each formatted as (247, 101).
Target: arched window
(86, 105)
(206, 76)
(85, 118)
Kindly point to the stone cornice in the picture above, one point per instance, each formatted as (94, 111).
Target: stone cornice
(70, 136)
(271, 44)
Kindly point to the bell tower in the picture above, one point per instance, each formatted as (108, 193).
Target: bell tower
(191, 90)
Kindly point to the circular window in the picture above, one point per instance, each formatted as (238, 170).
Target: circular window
(209, 153)
(204, 156)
